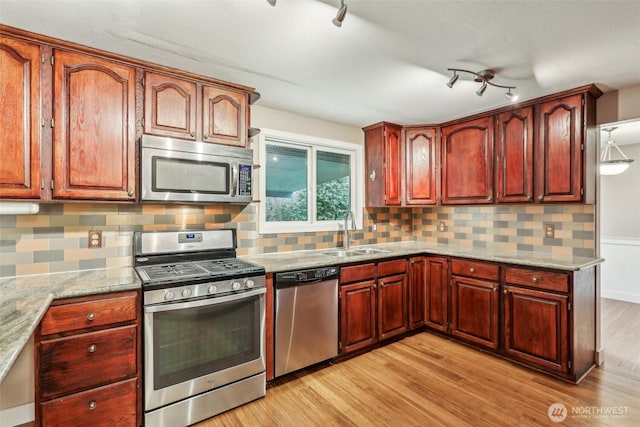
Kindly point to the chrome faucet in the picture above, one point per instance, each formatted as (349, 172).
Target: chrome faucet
(345, 239)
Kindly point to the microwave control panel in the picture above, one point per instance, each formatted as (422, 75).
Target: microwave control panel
(244, 180)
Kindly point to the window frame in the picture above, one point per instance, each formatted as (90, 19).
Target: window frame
(312, 144)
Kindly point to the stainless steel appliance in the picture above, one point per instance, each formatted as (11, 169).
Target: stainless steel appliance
(306, 329)
(204, 325)
(194, 172)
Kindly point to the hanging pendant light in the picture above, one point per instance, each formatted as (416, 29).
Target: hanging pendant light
(608, 165)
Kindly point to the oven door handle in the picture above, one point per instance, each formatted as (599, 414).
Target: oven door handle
(204, 302)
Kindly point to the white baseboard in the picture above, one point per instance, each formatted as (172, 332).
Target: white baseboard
(17, 415)
(621, 296)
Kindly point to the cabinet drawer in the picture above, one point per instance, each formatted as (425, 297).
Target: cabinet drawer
(111, 405)
(356, 273)
(479, 270)
(396, 266)
(82, 361)
(87, 314)
(537, 279)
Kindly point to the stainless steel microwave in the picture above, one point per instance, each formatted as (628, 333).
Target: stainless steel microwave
(179, 171)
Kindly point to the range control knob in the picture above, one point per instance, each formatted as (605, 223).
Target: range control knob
(213, 289)
(169, 295)
(249, 283)
(236, 286)
(186, 293)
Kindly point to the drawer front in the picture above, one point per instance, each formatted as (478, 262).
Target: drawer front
(111, 405)
(479, 270)
(68, 317)
(537, 279)
(388, 268)
(83, 361)
(356, 273)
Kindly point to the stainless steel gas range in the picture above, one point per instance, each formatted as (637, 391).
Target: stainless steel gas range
(204, 325)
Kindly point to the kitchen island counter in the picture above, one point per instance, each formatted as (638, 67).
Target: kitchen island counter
(25, 299)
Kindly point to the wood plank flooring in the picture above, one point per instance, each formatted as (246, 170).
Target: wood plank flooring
(621, 335)
(428, 380)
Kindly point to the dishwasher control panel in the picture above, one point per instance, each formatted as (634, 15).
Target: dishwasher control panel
(304, 276)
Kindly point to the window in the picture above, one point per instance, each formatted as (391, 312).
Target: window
(307, 183)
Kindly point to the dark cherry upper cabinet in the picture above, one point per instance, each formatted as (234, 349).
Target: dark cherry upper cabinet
(20, 119)
(224, 116)
(94, 133)
(467, 162)
(383, 157)
(421, 177)
(169, 106)
(514, 154)
(437, 295)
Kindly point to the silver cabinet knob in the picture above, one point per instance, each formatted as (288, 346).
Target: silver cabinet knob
(130, 193)
(92, 348)
(535, 280)
(489, 199)
(92, 405)
(206, 136)
(192, 134)
(472, 270)
(541, 197)
(91, 317)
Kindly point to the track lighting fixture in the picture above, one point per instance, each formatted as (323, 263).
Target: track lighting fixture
(609, 166)
(272, 2)
(483, 77)
(342, 12)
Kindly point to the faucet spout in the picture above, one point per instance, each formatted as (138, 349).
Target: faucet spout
(346, 238)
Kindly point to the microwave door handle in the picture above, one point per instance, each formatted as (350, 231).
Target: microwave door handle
(234, 179)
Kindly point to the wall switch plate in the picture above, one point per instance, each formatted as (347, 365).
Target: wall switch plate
(442, 226)
(549, 231)
(95, 239)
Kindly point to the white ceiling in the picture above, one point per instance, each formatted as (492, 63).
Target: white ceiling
(388, 61)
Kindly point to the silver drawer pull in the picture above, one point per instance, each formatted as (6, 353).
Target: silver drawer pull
(91, 316)
(92, 405)
(92, 348)
(535, 280)
(472, 270)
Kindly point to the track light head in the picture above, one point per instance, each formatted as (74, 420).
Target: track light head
(453, 79)
(511, 96)
(272, 2)
(342, 12)
(480, 91)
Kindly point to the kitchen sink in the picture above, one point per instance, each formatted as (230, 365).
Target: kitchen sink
(341, 253)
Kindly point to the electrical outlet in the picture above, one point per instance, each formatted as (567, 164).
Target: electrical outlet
(95, 239)
(442, 226)
(549, 231)
(374, 227)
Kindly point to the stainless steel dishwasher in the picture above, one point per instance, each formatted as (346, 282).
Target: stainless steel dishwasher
(306, 330)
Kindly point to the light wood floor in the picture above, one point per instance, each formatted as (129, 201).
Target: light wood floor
(427, 380)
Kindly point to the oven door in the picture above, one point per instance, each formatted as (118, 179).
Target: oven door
(200, 345)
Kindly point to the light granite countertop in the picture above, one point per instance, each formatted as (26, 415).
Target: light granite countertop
(287, 261)
(25, 299)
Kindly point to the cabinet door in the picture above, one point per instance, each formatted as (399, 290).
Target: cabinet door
(20, 119)
(474, 311)
(169, 106)
(437, 297)
(417, 291)
(420, 147)
(357, 316)
(392, 306)
(467, 162)
(393, 167)
(514, 151)
(559, 148)
(94, 134)
(535, 327)
(224, 116)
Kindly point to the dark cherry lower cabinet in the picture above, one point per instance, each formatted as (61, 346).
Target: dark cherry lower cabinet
(392, 298)
(417, 291)
(88, 365)
(437, 293)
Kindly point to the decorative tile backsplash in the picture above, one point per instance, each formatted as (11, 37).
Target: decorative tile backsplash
(55, 240)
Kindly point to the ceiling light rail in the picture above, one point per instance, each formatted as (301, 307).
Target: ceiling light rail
(337, 21)
(484, 77)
